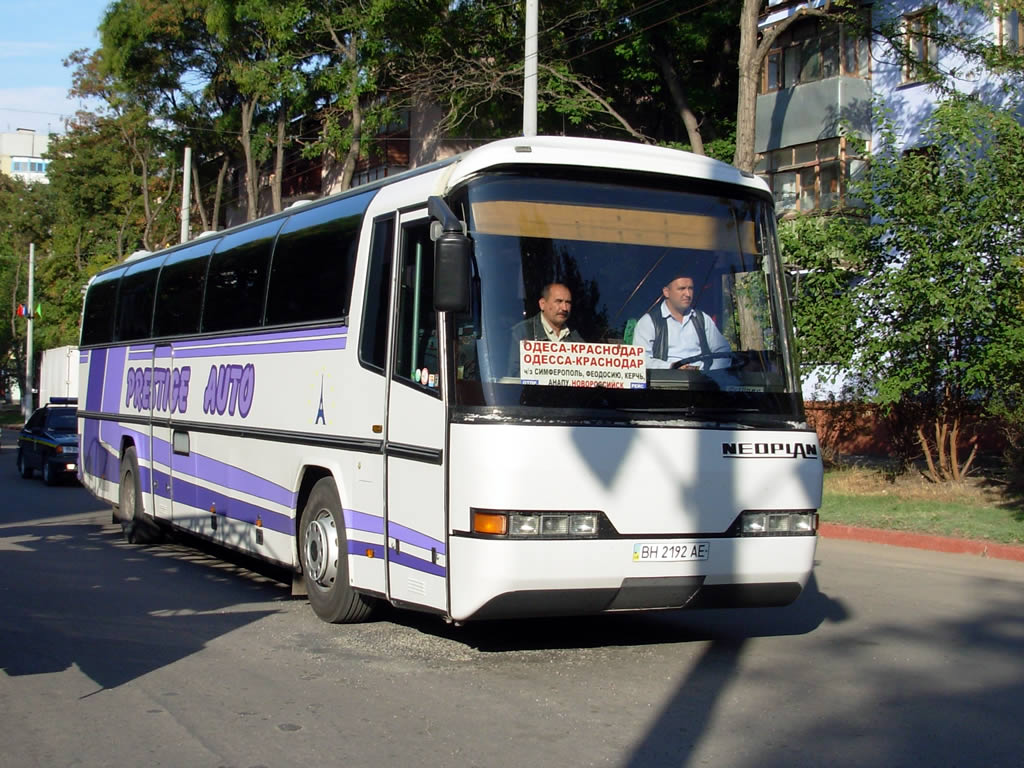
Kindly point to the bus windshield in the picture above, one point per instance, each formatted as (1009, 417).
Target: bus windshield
(585, 291)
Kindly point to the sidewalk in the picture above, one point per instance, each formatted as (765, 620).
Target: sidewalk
(923, 541)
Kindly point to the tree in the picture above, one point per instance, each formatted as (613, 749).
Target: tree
(940, 330)
(822, 256)
(358, 47)
(472, 67)
(26, 216)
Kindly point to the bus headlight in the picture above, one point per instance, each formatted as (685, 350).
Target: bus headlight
(537, 525)
(783, 522)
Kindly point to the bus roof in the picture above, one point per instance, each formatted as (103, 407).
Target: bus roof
(599, 153)
(532, 150)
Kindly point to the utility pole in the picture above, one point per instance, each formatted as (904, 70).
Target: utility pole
(530, 70)
(186, 191)
(26, 397)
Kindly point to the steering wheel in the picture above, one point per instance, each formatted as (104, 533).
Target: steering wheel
(703, 358)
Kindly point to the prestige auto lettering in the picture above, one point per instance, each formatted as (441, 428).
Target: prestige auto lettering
(230, 387)
(165, 389)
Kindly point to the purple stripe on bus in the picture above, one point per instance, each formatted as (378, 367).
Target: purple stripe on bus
(235, 509)
(145, 482)
(278, 336)
(113, 433)
(161, 451)
(95, 457)
(112, 379)
(237, 479)
(362, 547)
(97, 365)
(148, 348)
(83, 357)
(162, 353)
(161, 484)
(360, 521)
(100, 462)
(416, 538)
(401, 558)
(273, 348)
(147, 355)
(196, 466)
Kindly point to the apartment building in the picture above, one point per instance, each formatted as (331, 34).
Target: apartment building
(822, 82)
(21, 155)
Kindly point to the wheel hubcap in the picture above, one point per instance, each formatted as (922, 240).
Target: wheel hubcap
(321, 549)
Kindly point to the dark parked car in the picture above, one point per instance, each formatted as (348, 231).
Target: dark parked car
(49, 441)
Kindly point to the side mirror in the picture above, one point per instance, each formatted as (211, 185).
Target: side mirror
(453, 253)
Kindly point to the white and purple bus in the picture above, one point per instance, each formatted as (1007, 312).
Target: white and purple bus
(339, 389)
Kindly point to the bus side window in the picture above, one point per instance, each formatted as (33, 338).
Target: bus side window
(100, 302)
(135, 301)
(373, 339)
(416, 353)
(237, 278)
(313, 262)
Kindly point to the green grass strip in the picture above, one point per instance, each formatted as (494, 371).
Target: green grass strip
(968, 521)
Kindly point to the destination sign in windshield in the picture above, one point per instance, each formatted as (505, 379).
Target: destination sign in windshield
(582, 364)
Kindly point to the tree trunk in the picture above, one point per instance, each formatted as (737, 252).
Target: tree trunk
(675, 89)
(349, 168)
(199, 199)
(749, 72)
(931, 474)
(275, 189)
(225, 162)
(251, 182)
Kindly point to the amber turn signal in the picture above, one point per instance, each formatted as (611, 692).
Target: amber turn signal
(490, 523)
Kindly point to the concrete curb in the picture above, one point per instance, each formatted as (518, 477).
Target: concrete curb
(923, 541)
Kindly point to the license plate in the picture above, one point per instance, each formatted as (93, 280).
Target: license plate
(670, 552)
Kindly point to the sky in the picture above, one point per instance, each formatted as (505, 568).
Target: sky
(35, 37)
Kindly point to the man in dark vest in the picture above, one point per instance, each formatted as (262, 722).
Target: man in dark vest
(550, 324)
(675, 331)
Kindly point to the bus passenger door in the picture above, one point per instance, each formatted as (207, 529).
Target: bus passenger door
(184, 491)
(140, 395)
(161, 435)
(414, 444)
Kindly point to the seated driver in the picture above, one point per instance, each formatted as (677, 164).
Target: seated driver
(674, 331)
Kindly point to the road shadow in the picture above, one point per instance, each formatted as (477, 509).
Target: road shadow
(912, 719)
(733, 626)
(75, 594)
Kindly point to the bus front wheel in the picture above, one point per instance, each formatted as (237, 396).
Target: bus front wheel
(324, 552)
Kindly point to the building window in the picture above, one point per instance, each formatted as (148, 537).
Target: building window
(810, 177)
(923, 52)
(28, 165)
(812, 50)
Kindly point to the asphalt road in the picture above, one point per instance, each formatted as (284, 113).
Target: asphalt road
(118, 655)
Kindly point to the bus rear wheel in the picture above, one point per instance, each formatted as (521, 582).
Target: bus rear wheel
(323, 549)
(135, 524)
